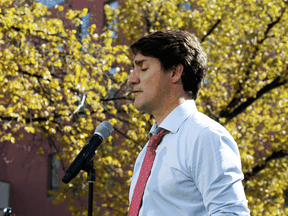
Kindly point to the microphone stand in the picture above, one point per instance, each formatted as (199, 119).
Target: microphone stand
(84, 160)
(91, 177)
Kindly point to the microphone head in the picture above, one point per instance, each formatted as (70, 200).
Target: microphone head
(104, 129)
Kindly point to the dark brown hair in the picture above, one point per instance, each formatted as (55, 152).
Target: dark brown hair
(174, 47)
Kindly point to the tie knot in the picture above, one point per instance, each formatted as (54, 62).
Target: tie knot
(156, 138)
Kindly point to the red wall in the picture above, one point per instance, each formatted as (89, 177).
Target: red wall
(27, 174)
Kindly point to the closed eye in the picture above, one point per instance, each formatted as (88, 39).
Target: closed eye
(144, 69)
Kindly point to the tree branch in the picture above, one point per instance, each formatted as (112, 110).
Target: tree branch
(33, 75)
(211, 30)
(38, 31)
(270, 25)
(258, 168)
(26, 119)
(236, 100)
(148, 24)
(274, 84)
(148, 21)
(119, 98)
(126, 136)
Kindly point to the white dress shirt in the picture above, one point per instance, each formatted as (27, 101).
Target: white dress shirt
(196, 171)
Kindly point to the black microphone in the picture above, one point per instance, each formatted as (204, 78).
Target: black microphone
(102, 132)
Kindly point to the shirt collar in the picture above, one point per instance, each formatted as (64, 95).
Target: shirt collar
(173, 121)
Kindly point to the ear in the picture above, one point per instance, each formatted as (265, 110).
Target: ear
(178, 70)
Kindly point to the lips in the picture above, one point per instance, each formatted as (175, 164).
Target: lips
(136, 92)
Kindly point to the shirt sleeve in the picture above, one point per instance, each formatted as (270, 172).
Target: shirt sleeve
(216, 169)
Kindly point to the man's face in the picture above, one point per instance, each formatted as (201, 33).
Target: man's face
(148, 78)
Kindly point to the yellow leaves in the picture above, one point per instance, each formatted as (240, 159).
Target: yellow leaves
(77, 22)
(84, 12)
(125, 108)
(91, 29)
(107, 9)
(222, 120)
(131, 107)
(38, 87)
(120, 77)
(29, 129)
(38, 9)
(58, 199)
(113, 110)
(40, 150)
(7, 137)
(60, 8)
(70, 14)
(20, 137)
(132, 134)
(67, 128)
(101, 116)
(110, 161)
(249, 198)
(130, 173)
(95, 36)
(77, 72)
(32, 60)
(73, 140)
(113, 121)
(104, 205)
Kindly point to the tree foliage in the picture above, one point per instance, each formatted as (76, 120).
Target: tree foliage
(41, 87)
(245, 89)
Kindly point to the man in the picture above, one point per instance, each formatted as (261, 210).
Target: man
(197, 167)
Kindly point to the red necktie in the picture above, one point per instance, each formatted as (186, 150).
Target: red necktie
(145, 172)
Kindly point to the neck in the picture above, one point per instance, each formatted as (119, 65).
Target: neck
(160, 115)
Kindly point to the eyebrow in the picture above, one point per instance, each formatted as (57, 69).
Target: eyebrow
(139, 62)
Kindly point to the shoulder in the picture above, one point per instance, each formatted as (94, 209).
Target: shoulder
(200, 124)
(201, 133)
(209, 141)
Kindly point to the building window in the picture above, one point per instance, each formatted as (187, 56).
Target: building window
(112, 4)
(85, 25)
(112, 71)
(112, 92)
(50, 3)
(82, 30)
(185, 5)
(4, 196)
(60, 48)
(53, 174)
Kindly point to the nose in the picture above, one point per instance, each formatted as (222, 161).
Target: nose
(133, 78)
